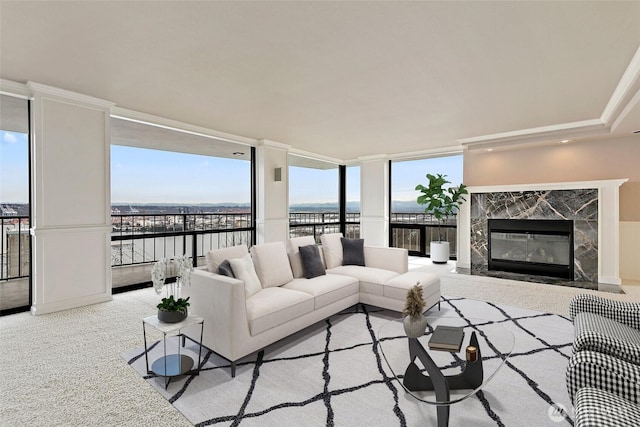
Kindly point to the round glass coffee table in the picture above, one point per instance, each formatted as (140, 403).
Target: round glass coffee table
(449, 374)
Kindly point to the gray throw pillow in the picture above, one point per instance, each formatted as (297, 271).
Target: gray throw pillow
(311, 262)
(224, 269)
(352, 251)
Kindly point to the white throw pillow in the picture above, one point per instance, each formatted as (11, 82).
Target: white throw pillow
(216, 257)
(332, 248)
(272, 264)
(294, 253)
(243, 269)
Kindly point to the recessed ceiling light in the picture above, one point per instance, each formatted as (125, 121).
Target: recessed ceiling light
(564, 141)
(489, 149)
(238, 153)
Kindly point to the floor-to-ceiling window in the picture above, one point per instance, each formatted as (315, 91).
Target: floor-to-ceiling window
(410, 227)
(15, 243)
(175, 193)
(314, 197)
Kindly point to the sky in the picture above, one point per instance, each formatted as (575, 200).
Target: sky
(141, 175)
(14, 171)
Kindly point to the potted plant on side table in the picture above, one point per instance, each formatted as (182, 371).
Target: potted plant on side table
(170, 309)
(441, 203)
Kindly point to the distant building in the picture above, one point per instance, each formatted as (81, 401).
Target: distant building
(8, 211)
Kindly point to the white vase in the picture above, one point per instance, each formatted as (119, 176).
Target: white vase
(439, 252)
(415, 327)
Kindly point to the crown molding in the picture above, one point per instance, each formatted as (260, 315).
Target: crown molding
(622, 101)
(66, 95)
(273, 144)
(314, 156)
(15, 89)
(178, 126)
(374, 158)
(452, 150)
(572, 130)
(633, 103)
(622, 92)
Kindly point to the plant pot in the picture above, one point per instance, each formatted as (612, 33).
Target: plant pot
(439, 252)
(415, 327)
(171, 316)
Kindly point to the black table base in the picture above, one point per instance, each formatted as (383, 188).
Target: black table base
(414, 380)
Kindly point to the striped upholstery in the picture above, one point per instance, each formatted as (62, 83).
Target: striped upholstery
(597, 408)
(598, 333)
(604, 372)
(627, 313)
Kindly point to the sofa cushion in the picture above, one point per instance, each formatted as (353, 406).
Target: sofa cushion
(312, 265)
(326, 289)
(332, 248)
(217, 256)
(397, 287)
(294, 253)
(272, 264)
(274, 306)
(225, 269)
(243, 270)
(371, 279)
(352, 251)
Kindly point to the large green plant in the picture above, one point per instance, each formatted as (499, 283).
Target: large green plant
(439, 201)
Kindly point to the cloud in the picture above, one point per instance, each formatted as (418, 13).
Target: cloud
(9, 138)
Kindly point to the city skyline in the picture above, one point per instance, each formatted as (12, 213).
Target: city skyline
(148, 176)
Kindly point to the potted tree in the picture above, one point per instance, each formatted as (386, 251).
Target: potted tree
(441, 203)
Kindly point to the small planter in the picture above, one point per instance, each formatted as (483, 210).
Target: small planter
(172, 316)
(415, 327)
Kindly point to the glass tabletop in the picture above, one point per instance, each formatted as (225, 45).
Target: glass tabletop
(492, 342)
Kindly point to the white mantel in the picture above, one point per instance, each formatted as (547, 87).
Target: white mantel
(608, 221)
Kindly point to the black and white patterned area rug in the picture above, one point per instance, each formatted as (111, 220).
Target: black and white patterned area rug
(333, 374)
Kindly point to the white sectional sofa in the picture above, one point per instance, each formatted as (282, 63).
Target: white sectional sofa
(242, 316)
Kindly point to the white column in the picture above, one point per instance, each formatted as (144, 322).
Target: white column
(609, 233)
(463, 247)
(70, 179)
(374, 201)
(272, 210)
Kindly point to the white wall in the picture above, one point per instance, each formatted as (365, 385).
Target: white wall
(70, 199)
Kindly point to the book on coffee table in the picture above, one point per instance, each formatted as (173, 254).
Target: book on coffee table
(446, 338)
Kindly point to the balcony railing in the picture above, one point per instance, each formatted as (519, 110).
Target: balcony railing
(139, 239)
(318, 223)
(14, 247)
(414, 231)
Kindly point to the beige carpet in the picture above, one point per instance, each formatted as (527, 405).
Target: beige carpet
(65, 369)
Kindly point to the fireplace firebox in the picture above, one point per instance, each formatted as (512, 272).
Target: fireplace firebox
(531, 246)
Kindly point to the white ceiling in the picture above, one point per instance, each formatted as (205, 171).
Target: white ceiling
(343, 79)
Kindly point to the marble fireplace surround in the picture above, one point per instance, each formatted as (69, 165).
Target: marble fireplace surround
(607, 219)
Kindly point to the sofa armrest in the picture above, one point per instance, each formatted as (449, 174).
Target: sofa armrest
(627, 313)
(220, 300)
(393, 259)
